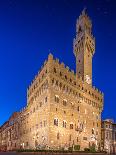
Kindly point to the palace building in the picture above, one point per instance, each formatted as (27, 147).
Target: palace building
(63, 108)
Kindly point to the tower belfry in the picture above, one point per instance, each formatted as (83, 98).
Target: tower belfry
(84, 47)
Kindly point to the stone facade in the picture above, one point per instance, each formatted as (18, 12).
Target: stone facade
(108, 136)
(63, 108)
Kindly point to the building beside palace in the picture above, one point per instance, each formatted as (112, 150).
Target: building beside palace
(63, 108)
(108, 136)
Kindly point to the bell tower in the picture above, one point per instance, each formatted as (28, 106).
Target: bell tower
(84, 47)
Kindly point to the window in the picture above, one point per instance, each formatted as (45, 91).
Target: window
(36, 126)
(92, 131)
(72, 105)
(54, 70)
(60, 85)
(27, 144)
(56, 99)
(97, 117)
(58, 136)
(37, 107)
(46, 99)
(77, 139)
(85, 111)
(64, 102)
(45, 123)
(97, 124)
(64, 124)
(33, 109)
(78, 108)
(65, 77)
(56, 121)
(41, 124)
(84, 138)
(40, 104)
(71, 126)
(70, 137)
(52, 81)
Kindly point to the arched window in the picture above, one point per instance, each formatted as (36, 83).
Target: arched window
(92, 131)
(56, 98)
(64, 102)
(56, 121)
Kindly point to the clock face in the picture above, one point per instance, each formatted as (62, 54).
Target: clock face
(88, 79)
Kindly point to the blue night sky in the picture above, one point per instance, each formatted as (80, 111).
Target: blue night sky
(30, 29)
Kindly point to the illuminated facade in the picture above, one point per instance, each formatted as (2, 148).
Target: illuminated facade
(63, 108)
